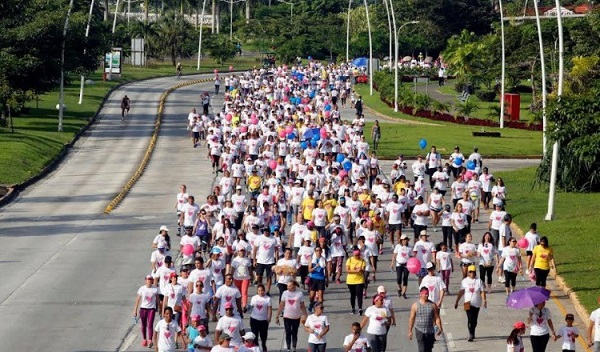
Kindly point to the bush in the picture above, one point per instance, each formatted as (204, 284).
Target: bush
(486, 95)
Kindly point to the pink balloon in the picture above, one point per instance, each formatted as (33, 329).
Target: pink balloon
(230, 68)
(188, 249)
(343, 174)
(254, 121)
(272, 164)
(323, 130)
(228, 117)
(327, 113)
(307, 108)
(253, 116)
(413, 265)
(244, 129)
(289, 129)
(216, 71)
(523, 243)
(285, 67)
(282, 133)
(468, 175)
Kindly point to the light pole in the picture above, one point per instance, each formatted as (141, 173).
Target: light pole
(115, 18)
(87, 33)
(543, 67)
(200, 35)
(503, 65)
(61, 97)
(348, 31)
(231, 2)
(387, 9)
(291, 7)
(370, 50)
(396, 64)
(561, 71)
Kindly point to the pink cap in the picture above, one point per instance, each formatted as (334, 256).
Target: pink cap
(228, 305)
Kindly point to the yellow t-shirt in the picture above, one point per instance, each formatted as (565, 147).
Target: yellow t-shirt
(398, 187)
(355, 278)
(329, 205)
(378, 224)
(254, 182)
(542, 257)
(308, 204)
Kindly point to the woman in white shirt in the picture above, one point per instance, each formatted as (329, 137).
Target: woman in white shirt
(261, 315)
(317, 326)
(510, 262)
(459, 226)
(379, 319)
(514, 342)
(467, 252)
(293, 309)
(540, 321)
(488, 256)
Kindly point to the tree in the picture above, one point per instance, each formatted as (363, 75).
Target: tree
(220, 48)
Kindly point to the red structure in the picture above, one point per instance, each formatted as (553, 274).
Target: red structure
(512, 106)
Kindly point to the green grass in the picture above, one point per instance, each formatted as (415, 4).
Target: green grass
(36, 142)
(572, 235)
(400, 138)
(485, 108)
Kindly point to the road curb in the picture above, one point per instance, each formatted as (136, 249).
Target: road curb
(150, 149)
(400, 120)
(572, 295)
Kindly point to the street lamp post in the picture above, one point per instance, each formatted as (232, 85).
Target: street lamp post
(348, 31)
(503, 65)
(61, 97)
(543, 67)
(387, 9)
(396, 68)
(561, 71)
(87, 33)
(370, 50)
(231, 2)
(200, 35)
(291, 8)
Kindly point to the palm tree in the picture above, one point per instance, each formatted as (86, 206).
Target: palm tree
(147, 31)
(171, 31)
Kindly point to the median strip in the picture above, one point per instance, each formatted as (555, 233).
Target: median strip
(150, 149)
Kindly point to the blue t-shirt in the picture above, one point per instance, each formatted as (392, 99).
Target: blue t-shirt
(318, 272)
(192, 334)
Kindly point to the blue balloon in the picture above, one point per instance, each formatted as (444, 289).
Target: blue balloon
(292, 136)
(308, 134)
(347, 166)
(340, 157)
(303, 145)
(316, 131)
(313, 142)
(328, 107)
(471, 165)
(312, 94)
(458, 161)
(423, 143)
(316, 137)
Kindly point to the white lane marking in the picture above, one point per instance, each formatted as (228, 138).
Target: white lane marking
(450, 340)
(128, 342)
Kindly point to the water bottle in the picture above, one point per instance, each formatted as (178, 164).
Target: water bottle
(135, 319)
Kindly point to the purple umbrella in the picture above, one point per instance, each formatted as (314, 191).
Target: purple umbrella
(527, 297)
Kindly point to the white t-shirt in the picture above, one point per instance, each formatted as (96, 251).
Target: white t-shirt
(227, 294)
(298, 231)
(539, 322)
(568, 337)
(371, 237)
(260, 306)
(378, 317)
(360, 345)
(148, 297)
(469, 250)
(511, 256)
(205, 276)
(182, 199)
(473, 289)
(205, 341)
(198, 301)
(266, 249)
(305, 253)
(435, 285)
(318, 324)
(320, 217)
(423, 251)
(190, 213)
(497, 218)
(284, 279)
(166, 333)
(487, 253)
(420, 220)
(403, 253)
(595, 317)
(394, 211)
(241, 267)
(532, 240)
(445, 260)
(291, 308)
(460, 220)
(232, 326)
(337, 245)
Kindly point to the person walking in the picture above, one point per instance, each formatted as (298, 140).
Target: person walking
(542, 260)
(540, 320)
(260, 317)
(424, 318)
(402, 252)
(317, 326)
(294, 312)
(355, 279)
(166, 333)
(356, 341)
(379, 319)
(473, 292)
(146, 301)
(593, 329)
(514, 342)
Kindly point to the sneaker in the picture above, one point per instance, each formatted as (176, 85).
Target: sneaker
(404, 295)
(381, 251)
(435, 229)
(399, 293)
(364, 294)
(353, 312)
(360, 312)
(338, 281)
(150, 344)
(144, 343)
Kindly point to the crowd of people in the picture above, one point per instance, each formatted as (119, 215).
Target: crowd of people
(301, 202)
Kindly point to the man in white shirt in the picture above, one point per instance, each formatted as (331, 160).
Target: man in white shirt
(189, 214)
(593, 330)
(265, 249)
(435, 285)
(420, 215)
(419, 168)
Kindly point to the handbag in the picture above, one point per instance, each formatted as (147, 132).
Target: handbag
(467, 306)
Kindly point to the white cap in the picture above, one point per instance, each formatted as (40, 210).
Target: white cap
(249, 336)
(381, 289)
(163, 228)
(429, 265)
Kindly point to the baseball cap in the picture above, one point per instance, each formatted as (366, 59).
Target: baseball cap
(403, 237)
(173, 274)
(423, 233)
(228, 305)
(249, 336)
(215, 250)
(298, 182)
(224, 336)
(519, 325)
(168, 259)
(148, 277)
(429, 265)
(201, 328)
(163, 228)
(472, 268)
(381, 289)
(238, 187)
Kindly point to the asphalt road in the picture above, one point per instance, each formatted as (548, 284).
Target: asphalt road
(71, 273)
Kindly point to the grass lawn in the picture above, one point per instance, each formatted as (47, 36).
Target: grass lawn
(572, 235)
(485, 108)
(36, 142)
(401, 138)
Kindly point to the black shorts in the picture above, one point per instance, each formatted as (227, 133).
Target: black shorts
(529, 253)
(264, 269)
(395, 227)
(196, 134)
(317, 285)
